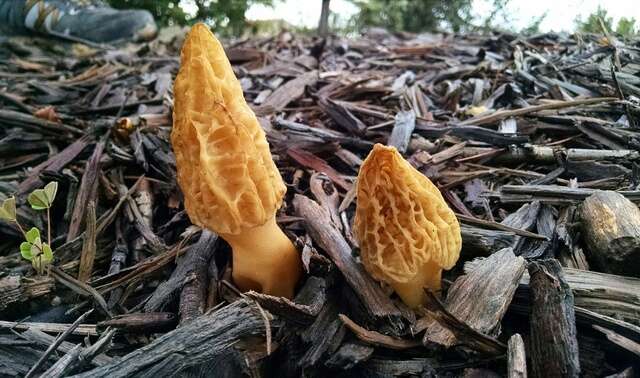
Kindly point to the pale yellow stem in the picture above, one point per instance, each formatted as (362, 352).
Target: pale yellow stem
(265, 260)
(412, 292)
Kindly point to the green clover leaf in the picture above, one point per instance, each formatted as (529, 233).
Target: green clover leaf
(32, 235)
(8, 209)
(41, 199)
(25, 250)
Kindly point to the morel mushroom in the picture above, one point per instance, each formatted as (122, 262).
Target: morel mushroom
(406, 231)
(225, 169)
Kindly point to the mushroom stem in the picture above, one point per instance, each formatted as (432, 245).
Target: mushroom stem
(412, 291)
(265, 260)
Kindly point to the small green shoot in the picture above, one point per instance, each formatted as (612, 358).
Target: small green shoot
(33, 248)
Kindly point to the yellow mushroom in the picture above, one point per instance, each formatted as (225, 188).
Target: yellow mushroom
(406, 231)
(225, 170)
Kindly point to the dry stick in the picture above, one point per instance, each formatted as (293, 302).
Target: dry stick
(55, 163)
(502, 114)
(31, 122)
(39, 337)
(55, 344)
(64, 364)
(83, 329)
(376, 338)
(118, 260)
(80, 288)
(319, 226)
(88, 254)
(499, 226)
(554, 343)
(619, 340)
(144, 201)
(87, 191)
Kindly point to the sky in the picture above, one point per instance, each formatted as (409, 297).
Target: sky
(560, 13)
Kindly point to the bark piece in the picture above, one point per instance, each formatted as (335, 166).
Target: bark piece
(400, 137)
(196, 259)
(611, 228)
(349, 355)
(205, 338)
(194, 290)
(554, 344)
(16, 289)
(415, 367)
(324, 336)
(481, 297)
(287, 93)
(605, 294)
(461, 331)
(516, 358)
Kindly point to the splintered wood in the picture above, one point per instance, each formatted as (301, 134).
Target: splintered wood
(532, 141)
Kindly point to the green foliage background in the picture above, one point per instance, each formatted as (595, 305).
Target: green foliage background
(227, 16)
(414, 15)
(626, 27)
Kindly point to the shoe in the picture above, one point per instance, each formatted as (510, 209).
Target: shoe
(82, 20)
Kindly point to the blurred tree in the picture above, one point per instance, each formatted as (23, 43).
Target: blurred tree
(226, 16)
(413, 15)
(600, 18)
(534, 26)
(424, 15)
(595, 21)
(323, 25)
(627, 27)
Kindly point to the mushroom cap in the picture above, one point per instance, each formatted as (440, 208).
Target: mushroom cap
(402, 221)
(225, 168)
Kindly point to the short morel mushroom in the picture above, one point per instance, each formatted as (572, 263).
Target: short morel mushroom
(225, 170)
(406, 231)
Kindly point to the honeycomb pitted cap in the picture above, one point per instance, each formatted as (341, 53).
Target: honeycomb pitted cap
(402, 221)
(225, 168)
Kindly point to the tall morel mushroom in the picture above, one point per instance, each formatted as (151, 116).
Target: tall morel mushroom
(406, 231)
(225, 169)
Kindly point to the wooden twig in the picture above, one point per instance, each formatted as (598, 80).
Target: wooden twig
(504, 114)
(88, 254)
(377, 339)
(56, 343)
(498, 226)
(87, 192)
